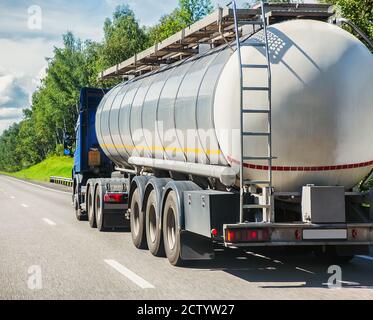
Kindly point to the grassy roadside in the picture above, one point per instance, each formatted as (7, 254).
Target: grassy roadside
(53, 166)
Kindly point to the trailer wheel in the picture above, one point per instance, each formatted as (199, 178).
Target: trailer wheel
(153, 226)
(171, 233)
(137, 222)
(99, 209)
(91, 207)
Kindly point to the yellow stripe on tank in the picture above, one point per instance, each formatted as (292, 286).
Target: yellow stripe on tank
(157, 148)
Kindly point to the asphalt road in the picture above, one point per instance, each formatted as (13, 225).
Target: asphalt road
(45, 253)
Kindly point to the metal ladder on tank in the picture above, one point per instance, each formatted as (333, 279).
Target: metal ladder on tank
(245, 185)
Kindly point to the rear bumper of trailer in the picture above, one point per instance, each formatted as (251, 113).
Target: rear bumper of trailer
(297, 234)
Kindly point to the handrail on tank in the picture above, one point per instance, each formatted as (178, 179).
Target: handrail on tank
(360, 32)
(226, 175)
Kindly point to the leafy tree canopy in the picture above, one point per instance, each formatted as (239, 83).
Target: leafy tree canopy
(123, 37)
(188, 12)
(360, 12)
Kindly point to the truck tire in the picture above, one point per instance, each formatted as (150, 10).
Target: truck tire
(153, 226)
(91, 207)
(171, 232)
(99, 209)
(137, 221)
(79, 214)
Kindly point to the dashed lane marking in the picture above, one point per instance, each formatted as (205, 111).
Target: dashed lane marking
(129, 274)
(50, 222)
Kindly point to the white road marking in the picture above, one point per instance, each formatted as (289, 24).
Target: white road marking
(304, 270)
(365, 258)
(12, 197)
(258, 255)
(36, 185)
(24, 205)
(50, 222)
(129, 274)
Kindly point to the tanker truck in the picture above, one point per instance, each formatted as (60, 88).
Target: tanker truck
(262, 140)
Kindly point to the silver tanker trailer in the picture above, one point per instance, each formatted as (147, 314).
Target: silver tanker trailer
(259, 141)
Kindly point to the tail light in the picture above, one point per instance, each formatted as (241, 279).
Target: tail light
(214, 232)
(354, 234)
(246, 235)
(298, 235)
(114, 198)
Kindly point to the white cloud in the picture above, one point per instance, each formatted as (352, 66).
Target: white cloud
(13, 114)
(25, 57)
(12, 94)
(22, 65)
(13, 99)
(5, 124)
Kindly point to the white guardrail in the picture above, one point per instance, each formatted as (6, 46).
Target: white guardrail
(62, 181)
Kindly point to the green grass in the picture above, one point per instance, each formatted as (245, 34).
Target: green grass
(53, 166)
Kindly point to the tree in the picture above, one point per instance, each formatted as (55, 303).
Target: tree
(28, 147)
(123, 37)
(10, 160)
(193, 10)
(187, 13)
(54, 106)
(360, 12)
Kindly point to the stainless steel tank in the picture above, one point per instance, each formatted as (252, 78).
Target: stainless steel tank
(322, 109)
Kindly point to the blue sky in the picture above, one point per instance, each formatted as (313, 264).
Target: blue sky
(23, 50)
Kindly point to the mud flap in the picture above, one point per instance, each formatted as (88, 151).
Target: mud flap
(115, 219)
(196, 247)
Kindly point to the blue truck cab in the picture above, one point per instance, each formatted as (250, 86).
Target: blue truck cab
(86, 140)
(97, 196)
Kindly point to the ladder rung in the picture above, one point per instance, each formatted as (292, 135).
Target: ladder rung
(253, 44)
(255, 66)
(257, 158)
(256, 206)
(252, 22)
(256, 134)
(252, 182)
(256, 88)
(255, 111)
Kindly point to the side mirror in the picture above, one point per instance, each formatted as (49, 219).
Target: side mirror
(68, 143)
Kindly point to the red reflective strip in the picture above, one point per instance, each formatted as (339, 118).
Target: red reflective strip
(113, 197)
(311, 168)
